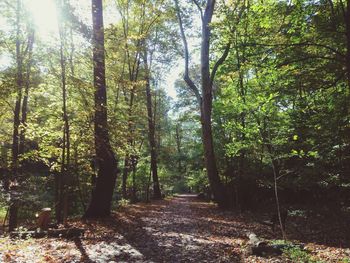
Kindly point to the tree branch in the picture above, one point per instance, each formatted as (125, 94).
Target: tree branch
(85, 30)
(186, 77)
(9, 4)
(296, 45)
(220, 61)
(287, 62)
(199, 8)
(227, 48)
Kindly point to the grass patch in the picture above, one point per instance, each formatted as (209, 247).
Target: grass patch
(3, 210)
(295, 253)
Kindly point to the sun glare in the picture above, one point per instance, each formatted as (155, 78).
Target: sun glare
(44, 13)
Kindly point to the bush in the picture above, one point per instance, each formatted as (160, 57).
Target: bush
(123, 202)
(297, 254)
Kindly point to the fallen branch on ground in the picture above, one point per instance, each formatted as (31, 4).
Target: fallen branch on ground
(62, 232)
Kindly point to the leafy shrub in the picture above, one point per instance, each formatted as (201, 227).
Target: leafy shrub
(123, 202)
(297, 254)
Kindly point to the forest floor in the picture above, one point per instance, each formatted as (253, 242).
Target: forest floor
(178, 229)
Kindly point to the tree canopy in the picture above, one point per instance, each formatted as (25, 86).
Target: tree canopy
(261, 112)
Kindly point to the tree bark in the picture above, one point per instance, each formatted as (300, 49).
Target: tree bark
(100, 204)
(347, 27)
(127, 161)
(178, 147)
(12, 185)
(133, 70)
(125, 175)
(205, 98)
(26, 92)
(61, 198)
(151, 133)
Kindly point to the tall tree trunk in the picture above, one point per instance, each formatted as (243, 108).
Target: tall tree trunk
(16, 122)
(127, 160)
(133, 163)
(205, 97)
(26, 92)
(347, 28)
(206, 109)
(151, 133)
(178, 147)
(125, 175)
(100, 204)
(61, 202)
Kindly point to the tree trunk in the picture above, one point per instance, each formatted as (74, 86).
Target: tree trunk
(127, 161)
(151, 134)
(61, 201)
(26, 92)
(100, 204)
(125, 175)
(134, 163)
(178, 147)
(206, 111)
(16, 122)
(347, 27)
(205, 97)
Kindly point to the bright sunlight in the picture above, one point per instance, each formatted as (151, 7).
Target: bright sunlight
(45, 16)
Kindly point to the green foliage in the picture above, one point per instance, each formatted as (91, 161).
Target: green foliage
(296, 254)
(123, 202)
(281, 97)
(198, 181)
(3, 210)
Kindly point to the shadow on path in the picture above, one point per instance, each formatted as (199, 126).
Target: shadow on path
(170, 231)
(80, 247)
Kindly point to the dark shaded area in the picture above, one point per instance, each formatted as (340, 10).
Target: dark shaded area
(183, 238)
(84, 255)
(304, 224)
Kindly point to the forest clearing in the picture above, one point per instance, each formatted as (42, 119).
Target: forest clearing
(175, 131)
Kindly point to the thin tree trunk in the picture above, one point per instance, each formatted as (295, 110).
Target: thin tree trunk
(125, 175)
(347, 27)
(178, 147)
(133, 70)
(76, 169)
(266, 139)
(151, 134)
(134, 163)
(276, 173)
(148, 184)
(16, 122)
(130, 137)
(101, 200)
(26, 92)
(61, 191)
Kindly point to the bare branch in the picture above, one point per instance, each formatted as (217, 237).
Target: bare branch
(227, 48)
(187, 78)
(9, 4)
(199, 8)
(220, 61)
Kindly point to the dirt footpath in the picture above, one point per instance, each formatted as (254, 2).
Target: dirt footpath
(178, 229)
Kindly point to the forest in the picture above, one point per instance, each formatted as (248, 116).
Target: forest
(174, 131)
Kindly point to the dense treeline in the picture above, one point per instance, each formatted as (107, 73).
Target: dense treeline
(261, 113)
